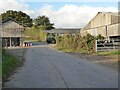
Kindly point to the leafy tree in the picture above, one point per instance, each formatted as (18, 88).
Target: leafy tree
(43, 22)
(18, 16)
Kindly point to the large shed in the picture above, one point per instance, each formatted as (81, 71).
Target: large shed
(12, 33)
(104, 23)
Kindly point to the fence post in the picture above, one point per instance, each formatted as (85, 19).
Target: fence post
(113, 46)
(96, 45)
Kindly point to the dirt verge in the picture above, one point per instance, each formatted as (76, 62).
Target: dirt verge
(110, 61)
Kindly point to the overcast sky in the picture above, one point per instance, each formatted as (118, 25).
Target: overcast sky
(62, 14)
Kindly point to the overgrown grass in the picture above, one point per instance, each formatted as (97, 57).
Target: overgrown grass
(85, 52)
(108, 53)
(116, 53)
(70, 50)
(0, 70)
(76, 43)
(80, 44)
(9, 63)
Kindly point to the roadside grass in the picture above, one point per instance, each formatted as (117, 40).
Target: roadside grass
(62, 49)
(108, 53)
(0, 63)
(9, 64)
(1, 70)
(82, 51)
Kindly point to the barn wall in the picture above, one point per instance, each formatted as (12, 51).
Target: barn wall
(12, 33)
(95, 31)
(105, 24)
(12, 29)
(101, 19)
(113, 30)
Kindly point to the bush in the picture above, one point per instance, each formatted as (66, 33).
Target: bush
(99, 37)
(77, 43)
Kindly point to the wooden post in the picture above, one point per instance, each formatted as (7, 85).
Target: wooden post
(10, 43)
(5, 43)
(21, 41)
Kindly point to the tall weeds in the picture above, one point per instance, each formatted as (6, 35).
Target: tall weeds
(77, 43)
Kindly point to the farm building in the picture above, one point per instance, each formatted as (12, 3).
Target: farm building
(12, 33)
(61, 31)
(104, 23)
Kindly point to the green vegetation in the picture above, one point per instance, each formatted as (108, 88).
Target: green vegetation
(18, 16)
(34, 34)
(0, 59)
(76, 43)
(43, 23)
(108, 53)
(0, 71)
(9, 63)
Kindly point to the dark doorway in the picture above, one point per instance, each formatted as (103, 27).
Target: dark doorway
(15, 41)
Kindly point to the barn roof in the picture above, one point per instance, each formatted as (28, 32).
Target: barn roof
(4, 24)
(8, 19)
(64, 30)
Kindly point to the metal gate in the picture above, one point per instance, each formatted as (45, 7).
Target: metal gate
(105, 46)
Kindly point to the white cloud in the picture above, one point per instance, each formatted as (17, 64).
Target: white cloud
(69, 15)
(72, 15)
(12, 5)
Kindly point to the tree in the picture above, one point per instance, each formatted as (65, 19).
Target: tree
(43, 22)
(18, 16)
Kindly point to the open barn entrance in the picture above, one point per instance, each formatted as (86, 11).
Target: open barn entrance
(15, 41)
(11, 41)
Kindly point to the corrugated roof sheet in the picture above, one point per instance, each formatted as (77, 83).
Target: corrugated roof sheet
(63, 30)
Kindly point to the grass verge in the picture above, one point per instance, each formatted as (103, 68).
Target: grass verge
(62, 49)
(82, 51)
(9, 64)
(108, 53)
